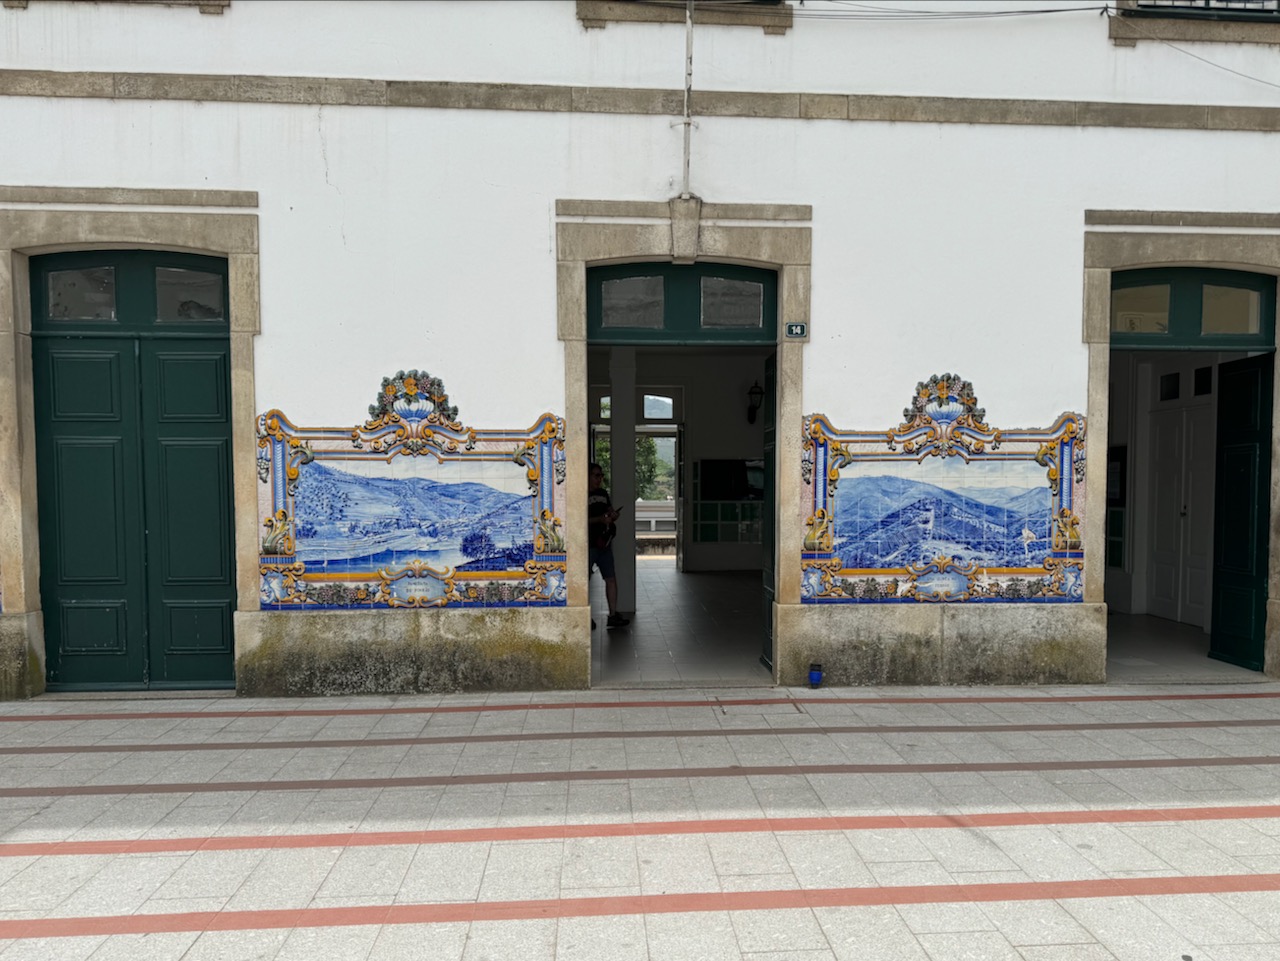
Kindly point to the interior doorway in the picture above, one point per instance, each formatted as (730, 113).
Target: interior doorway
(1188, 474)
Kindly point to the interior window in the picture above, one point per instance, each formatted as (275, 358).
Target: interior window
(658, 407)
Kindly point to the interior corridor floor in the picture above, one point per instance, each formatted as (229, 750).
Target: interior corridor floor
(704, 630)
(1142, 649)
(695, 630)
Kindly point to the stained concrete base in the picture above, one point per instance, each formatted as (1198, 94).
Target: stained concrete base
(296, 653)
(21, 656)
(865, 644)
(1271, 643)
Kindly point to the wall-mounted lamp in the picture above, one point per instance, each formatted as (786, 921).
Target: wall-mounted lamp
(755, 397)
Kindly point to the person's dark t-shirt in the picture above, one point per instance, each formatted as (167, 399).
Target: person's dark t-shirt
(599, 530)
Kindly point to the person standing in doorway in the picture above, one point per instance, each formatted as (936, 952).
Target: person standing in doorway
(601, 518)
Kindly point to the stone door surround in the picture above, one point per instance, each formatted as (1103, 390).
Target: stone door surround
(53, 219)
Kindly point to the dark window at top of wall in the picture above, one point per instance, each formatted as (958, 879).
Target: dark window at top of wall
(204, 6)
(1204, 381)
(1267, 11)
(1170, 386)
(1208, 21)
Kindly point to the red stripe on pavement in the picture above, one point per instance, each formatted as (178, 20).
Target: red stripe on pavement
(562, 832)
(515, 738)
(633, 904)
(614, 705)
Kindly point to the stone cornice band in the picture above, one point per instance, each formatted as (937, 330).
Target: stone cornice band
(440, 95)
(132, 196)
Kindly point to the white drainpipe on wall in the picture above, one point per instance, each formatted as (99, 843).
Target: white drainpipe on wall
(688, 91)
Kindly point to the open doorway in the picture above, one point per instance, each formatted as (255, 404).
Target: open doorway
(682, 357)
(690, 561)
(1188, 483)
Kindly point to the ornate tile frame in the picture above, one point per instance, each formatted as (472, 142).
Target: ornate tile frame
(411, 418)
(944, 420)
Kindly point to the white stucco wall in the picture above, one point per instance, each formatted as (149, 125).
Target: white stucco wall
(396, 238)
(831, 47)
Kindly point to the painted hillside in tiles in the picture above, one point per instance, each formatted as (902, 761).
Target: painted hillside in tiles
(885, 521)
(346, 522)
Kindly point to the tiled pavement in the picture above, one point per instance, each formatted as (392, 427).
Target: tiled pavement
(1039, 824)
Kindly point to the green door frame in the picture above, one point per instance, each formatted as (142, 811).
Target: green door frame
(1243, 469)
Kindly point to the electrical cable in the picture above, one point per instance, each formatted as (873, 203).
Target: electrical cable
(870, 12)
(1195, 56)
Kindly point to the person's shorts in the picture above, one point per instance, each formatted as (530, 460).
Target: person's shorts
(602, 557)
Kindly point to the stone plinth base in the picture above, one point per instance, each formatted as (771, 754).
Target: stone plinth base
(303, 653)
(867, 644)
(21, 656)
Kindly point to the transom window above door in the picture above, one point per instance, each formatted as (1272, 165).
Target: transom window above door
(1186, 307)
(678, 304)
(118, 290)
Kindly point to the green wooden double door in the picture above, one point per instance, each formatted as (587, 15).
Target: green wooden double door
(131, 377)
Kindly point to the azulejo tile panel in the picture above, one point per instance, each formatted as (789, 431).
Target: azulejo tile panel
(411, 509)
(943, 508)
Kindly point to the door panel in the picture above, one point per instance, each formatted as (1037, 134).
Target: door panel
(1242, 511)
(88, 517)
(85, 385)
(187, 481)
(1181, 568)
(87, 627)
(681, 513)
(192, 544)
(91, 561)
(1197, 568)
(768, 528)
(191, 386)
(1166, 513)
(196, 627)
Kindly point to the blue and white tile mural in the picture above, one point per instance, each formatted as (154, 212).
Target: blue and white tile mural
(411, 508)
(943, 507)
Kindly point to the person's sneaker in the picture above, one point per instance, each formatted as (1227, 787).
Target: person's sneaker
(617, 620)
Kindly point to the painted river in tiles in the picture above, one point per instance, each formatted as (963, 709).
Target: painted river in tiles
(462, 515)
